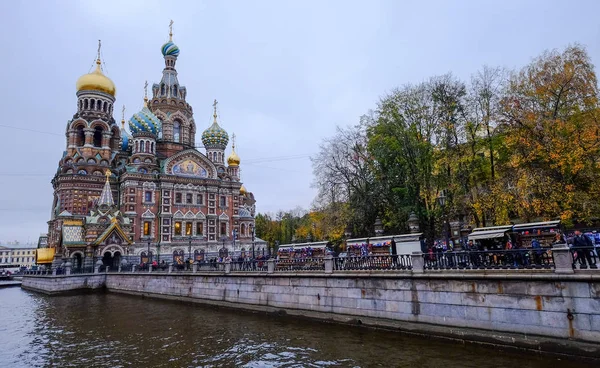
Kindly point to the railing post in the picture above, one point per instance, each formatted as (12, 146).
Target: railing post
(271, 265)
(133, 268)
(170, 267)
(149, 267)
(563, 261)
(417, 262)
(54, 271)
(107, 269)
(195, 267)
(227, 266)
(68, 266)
(328, 260)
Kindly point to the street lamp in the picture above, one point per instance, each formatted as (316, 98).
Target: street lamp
(253, 254)
(190, 248)
(442, 202)
(158, 252)
(149, 260)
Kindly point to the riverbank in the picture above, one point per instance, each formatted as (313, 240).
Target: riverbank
(540, 312)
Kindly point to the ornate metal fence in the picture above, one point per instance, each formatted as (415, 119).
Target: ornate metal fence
(493, 259)
(384, 262)
(300, 264)
(584, 258)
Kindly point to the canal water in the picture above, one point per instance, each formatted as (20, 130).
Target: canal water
(110, 330)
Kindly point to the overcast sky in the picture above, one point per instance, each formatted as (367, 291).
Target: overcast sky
(285, 73)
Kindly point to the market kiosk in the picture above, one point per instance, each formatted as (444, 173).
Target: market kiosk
(301, 255)
(521, 235)
(385, 245)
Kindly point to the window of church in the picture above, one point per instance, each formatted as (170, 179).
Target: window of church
(188, 228)
(147, 227)
(148, 196)
(98, 137)
(80, 139)
(92, 104)
(199, 228)
(178, 228)
(189, 198)
(223, 229)
(142, 146)
(177, 131)
(223, 201)
(243, 230)
(199, 199)
(177, 197)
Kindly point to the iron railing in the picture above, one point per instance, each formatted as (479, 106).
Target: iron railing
(364, 263)
(584, 257)
(249, 266)
(492, 259)
(300, 264)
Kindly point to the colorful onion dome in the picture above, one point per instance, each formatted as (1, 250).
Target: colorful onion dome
(96, 81)
(215, 136)
(145, 122)
(170, 49)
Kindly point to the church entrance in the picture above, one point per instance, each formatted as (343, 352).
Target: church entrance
(77, 262)
(112, 261)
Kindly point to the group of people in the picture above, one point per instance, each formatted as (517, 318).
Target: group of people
(484, 253)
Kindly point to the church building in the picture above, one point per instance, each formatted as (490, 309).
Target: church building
(149, 190)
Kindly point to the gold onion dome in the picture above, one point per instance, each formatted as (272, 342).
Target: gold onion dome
(233, 159)
(96, 81)
(243, 190)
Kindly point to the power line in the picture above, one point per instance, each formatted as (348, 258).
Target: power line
(30, 130)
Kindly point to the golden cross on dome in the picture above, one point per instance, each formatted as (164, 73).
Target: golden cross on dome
(123, 113)
(99, 47)
(146, 89)
(233, 140)
(215, 109)
(108, 174)
(171, 30)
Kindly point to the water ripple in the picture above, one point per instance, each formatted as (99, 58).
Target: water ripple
(108, 330)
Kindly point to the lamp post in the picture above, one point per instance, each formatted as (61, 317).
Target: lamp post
(158, 252)
(442, 202)
(190, 249)
(149, 260)
(378, 227)
(253, 254)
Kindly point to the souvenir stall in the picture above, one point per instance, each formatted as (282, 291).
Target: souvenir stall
(490, 238)
(301, 254)
(384, 245)
(543, 232)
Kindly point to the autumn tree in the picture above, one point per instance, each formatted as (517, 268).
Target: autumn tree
(552, 133)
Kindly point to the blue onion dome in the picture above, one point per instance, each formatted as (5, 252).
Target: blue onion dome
(145, 122)
(170, 49)
(125, 137)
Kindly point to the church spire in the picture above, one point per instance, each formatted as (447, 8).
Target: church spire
(106, 198)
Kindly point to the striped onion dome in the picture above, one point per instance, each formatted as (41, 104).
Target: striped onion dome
(145, 122)
(170, 49)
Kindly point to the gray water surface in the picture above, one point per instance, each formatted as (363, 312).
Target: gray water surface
(109, 330)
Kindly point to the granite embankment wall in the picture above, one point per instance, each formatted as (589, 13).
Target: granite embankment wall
(539, 311)
(53, 285)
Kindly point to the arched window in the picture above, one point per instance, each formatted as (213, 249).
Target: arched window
(98, 136)
(147, 147)
(210, 156)
(80, 105)
(144, 257)
(162, 89)
(92, 104)
(85, 104)
(177, 131)
(152, 149)
(175, 90)
(142, 146)
(137, 147)
(243, 230)
(105, 107)
(80, 137)
(199, 255)
(178, 258)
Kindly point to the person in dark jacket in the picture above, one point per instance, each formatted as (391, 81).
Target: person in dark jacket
(584, 247)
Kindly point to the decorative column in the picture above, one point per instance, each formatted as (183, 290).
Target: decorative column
(106, 140)
(328, 263)
(563, 261)
(89, 137)
(417, 262)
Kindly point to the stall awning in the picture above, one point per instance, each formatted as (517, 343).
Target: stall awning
(488, 234)
(537, 225)
(45, 255)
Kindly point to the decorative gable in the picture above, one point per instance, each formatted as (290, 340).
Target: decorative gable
(190, 163)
